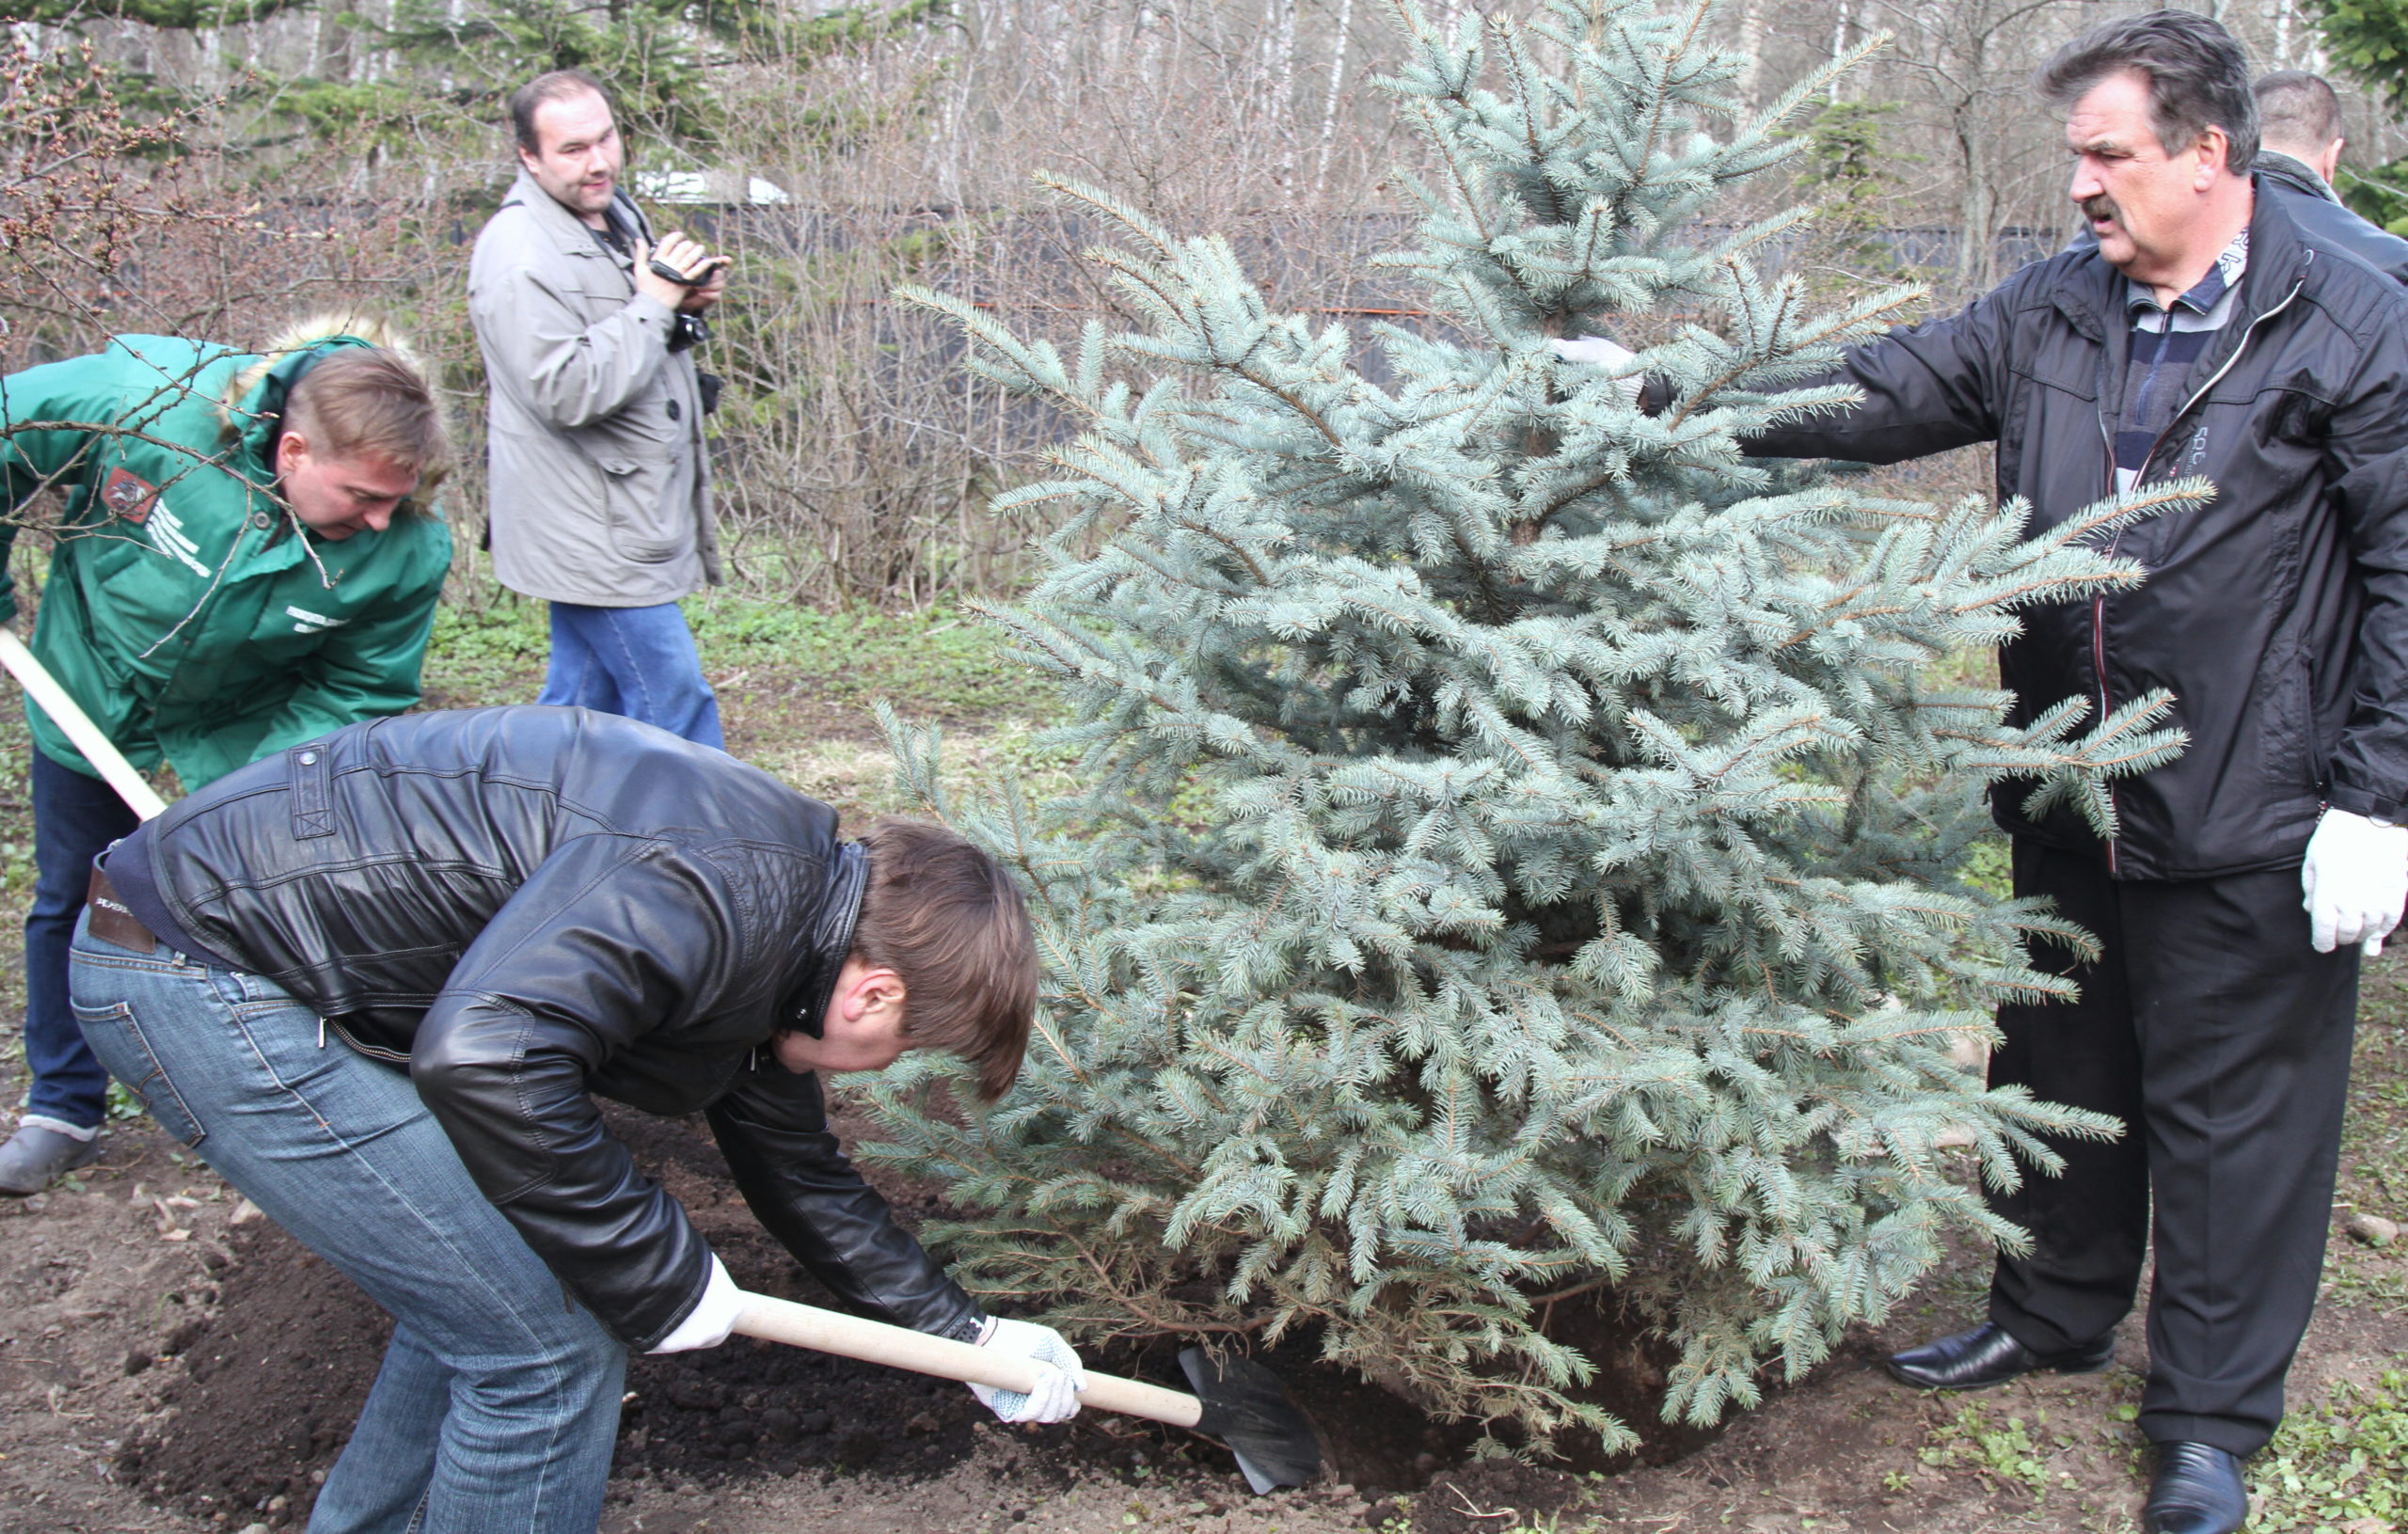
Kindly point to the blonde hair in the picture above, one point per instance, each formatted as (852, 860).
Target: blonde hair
(372, 401)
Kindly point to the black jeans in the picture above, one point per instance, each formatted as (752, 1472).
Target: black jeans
(2222, 1039)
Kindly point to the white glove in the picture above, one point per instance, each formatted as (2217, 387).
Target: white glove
(1596, 351)
(1056, 1397)
(2355, 880)
(707, 1324)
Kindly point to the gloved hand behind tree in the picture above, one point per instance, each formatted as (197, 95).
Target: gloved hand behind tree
(1596, 351)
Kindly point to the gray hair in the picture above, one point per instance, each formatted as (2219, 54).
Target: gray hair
(559, 86)
(2198, 78)
(2297, 107)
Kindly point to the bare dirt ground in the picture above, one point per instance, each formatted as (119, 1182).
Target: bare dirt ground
(170, 1367)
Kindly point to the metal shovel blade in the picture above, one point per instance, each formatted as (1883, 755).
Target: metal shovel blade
(1246, 1408)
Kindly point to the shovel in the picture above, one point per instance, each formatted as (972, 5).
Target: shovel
(77, 725)
(1238, 1402)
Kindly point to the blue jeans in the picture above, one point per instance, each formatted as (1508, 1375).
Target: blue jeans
(497, 1403)
(639, 662)
(76, 819)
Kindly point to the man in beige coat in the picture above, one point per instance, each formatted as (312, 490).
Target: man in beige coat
(600, 494)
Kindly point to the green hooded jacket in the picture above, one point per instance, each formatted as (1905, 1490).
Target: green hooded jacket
(186, 609)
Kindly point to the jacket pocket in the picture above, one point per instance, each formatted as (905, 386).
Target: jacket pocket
(638, 452)
(644, 527)
(2287, 723)
(119, 1040)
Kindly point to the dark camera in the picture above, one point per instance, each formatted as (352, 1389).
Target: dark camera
(700, 276)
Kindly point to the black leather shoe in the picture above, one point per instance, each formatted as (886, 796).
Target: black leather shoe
(2196, 1490)
(1987, 1355)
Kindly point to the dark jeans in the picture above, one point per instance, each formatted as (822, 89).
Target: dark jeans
(76, 819)
(2222, 1039)
(637, 662)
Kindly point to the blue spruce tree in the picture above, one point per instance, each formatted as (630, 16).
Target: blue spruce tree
(1522, 847)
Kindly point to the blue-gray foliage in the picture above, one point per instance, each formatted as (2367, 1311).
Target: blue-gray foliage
(1520, 846)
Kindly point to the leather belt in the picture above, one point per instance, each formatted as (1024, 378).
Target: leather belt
(111, 921)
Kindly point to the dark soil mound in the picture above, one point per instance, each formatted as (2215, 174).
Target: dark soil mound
(273, 1384)
(277, 1378)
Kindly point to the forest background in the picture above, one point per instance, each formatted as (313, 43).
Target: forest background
(215, 167)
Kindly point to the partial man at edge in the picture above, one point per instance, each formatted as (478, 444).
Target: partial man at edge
(600, 488)
(2211, 331)
(400, 1063)
(2300, 144)
(241, 564)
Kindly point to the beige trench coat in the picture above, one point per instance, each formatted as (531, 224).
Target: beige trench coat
(600, 490)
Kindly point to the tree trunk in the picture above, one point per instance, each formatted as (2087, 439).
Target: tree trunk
(1330, 100)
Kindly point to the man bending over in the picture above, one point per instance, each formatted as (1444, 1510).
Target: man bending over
(377, 981)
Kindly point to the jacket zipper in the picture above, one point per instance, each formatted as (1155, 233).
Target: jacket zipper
(2099, 603)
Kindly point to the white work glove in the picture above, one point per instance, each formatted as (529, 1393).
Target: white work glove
(707, 1324)
(1057, 1398)
(2354, 881)
(1596, 351)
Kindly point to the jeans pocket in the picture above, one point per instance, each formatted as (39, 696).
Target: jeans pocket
(118, 1039)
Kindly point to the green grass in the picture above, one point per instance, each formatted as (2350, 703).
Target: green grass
(940, 663)
(2374, 1145)
(2340, 1467)
(1999, 1449)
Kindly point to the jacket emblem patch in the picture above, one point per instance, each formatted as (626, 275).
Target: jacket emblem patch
(128, 496)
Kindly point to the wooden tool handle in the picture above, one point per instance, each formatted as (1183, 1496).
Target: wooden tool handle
(851, 1336)
(70, 718)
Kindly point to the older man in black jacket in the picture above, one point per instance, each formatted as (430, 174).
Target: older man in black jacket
(378, 980)
(2211, 332)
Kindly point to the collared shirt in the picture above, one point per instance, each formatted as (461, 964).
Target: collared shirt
(2165, 341)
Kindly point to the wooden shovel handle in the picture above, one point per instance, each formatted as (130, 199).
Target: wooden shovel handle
(77, 726)
(851, 1336)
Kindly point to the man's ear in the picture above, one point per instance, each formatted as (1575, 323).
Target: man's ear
(291, 452)
(862, 990)
(881, 990)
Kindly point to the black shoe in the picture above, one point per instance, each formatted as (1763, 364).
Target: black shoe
(1987, 1355)
(2196, 1490)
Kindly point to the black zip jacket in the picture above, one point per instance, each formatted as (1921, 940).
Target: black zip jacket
(534, 907)
(2277, 615)
(2323, 216)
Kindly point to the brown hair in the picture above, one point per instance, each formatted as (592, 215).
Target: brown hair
(945, 918)
(559, 86)
(2296, 107)
(2198, 78)
(371, 403)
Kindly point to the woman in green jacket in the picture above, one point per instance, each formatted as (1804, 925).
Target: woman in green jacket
(241, 564)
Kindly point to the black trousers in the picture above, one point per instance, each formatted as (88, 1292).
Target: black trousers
(2222, 1041)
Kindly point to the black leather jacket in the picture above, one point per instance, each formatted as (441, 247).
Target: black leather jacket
(2277, 614)
(532, 907)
